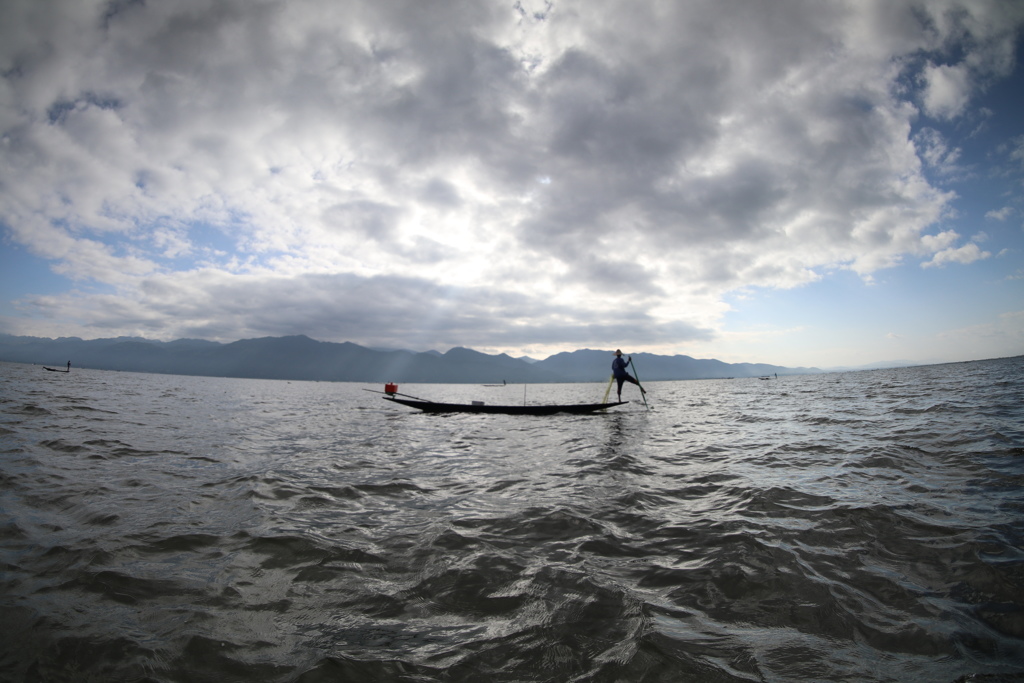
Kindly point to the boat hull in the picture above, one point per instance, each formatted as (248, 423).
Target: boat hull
(435, 407)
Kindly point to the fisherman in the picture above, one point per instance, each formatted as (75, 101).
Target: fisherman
(619, 371)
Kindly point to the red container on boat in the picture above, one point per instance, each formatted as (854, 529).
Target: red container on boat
(390, 388)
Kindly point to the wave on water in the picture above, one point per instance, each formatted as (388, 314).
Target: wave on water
(862, 526)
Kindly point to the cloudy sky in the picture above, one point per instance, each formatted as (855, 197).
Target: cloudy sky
(800, 182)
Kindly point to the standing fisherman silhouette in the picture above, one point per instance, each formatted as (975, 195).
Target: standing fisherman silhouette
(620, 374)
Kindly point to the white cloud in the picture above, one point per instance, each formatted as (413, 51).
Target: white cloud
(546, 167)
(935, 152)
(1017, 149)
(1000, 214)
(947, 90)
(969, 253)
(940, 242)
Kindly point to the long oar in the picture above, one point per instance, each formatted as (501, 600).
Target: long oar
(637, 374)
(395, 393)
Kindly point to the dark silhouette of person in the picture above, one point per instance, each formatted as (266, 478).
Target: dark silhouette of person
(620, 374)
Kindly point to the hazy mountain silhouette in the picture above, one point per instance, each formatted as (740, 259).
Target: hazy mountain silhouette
(578, 366)
(302, 358)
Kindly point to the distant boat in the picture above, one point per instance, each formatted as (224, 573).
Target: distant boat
(480, 407)
(68, 369)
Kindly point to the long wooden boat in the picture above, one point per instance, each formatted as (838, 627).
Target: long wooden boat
(435, 407)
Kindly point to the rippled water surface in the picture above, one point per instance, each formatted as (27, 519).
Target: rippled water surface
(863, 526)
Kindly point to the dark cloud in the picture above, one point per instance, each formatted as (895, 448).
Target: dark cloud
(440, 192)
(367, 219)
(388, 311)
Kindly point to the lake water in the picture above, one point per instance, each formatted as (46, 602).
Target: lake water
(864, 526)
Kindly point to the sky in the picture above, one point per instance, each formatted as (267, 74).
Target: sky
(795, 182)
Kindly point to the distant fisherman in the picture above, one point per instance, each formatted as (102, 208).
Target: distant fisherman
(619, 371)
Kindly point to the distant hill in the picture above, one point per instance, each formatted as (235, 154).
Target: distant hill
(580, 366)
(302, 358)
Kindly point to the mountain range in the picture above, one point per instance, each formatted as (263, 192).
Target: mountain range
(302, 358)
